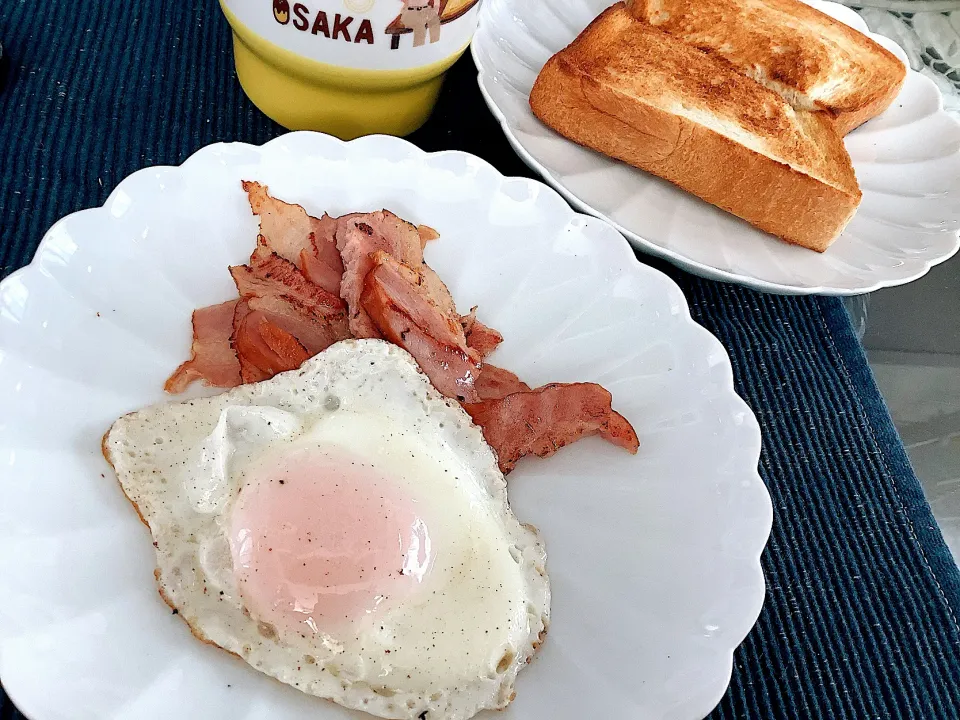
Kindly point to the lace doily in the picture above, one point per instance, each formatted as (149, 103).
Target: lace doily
(929, 31)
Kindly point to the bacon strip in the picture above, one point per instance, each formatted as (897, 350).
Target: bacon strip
(450, 367)
(542, 421)
(212, 359)
(359, 236)
(481, 338)
(269, 274)
(275, 288)
(494, 383)
(263, 348)
(439, 294)
(430, 307)
(321, 263)
(290, 316)
(293, 234)
(426, 234)
(248, 345)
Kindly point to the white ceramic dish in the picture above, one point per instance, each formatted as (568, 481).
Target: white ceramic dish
(907, 161)
(654, 558)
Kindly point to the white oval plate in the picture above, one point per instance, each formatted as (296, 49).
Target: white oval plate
(906, 160)
(654, 558)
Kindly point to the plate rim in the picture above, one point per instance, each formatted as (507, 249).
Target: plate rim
(751, 437)
(696, 267)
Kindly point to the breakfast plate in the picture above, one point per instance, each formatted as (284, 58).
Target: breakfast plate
(906, 161)
(654, 559)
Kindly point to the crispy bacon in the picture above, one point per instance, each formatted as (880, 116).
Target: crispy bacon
(296, 236)
(398, 312)
(248, 345)
(359, 236)
(289, 352)
(298, 315)
(269, 274)
(542, 421)
(430, 307)
(212, 359)
(481, 338)
(289, 315)
(494, 383)
(314, 281)
(321, 263)
(263, 348)
(426, 234)
(438, 293)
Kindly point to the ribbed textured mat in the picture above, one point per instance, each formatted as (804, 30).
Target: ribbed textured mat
(860, 619)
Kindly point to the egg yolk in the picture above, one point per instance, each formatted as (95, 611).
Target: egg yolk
(320, 538)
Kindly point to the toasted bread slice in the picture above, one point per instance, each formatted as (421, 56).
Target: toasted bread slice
(812, 60)
(643, 96)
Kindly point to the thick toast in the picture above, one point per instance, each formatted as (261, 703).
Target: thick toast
(812, 60)
(647, 98)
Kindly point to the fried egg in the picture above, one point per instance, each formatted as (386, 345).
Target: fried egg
(345, 529)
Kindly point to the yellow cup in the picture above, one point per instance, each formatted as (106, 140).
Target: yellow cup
(348, 67)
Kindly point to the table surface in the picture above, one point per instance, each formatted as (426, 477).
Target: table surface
(860, 617)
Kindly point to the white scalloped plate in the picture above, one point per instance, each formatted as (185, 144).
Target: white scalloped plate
(906, 160)
(654, 558)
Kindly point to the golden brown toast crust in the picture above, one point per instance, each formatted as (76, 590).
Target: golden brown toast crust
(637, 61)
(584, 93)
(799, 49)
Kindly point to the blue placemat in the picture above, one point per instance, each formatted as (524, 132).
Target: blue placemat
(861, 613)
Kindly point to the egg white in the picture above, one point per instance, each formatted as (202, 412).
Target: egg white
(455, 645)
